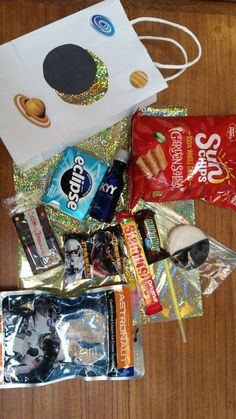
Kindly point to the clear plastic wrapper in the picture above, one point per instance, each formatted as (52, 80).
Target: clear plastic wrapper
(219, 263)
(38, 241)
(186, 283)
(47, 338)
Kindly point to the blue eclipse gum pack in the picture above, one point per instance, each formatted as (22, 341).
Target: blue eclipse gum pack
(74, 183)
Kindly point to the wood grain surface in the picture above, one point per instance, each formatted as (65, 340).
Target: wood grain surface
(196, 380)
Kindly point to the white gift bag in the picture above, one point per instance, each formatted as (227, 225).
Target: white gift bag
(68, 80)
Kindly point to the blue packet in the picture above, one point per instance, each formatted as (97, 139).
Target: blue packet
(75, 183)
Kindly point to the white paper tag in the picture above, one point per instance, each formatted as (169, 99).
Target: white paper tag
(37, 233)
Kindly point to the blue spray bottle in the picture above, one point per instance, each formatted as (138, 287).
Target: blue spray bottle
(106, 198)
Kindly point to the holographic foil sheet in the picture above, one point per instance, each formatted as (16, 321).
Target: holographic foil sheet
(103, 146)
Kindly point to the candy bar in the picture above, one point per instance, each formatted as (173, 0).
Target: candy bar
(145, 220)
(139, 261)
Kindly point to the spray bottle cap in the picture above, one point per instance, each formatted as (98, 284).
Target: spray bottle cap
(122, 155)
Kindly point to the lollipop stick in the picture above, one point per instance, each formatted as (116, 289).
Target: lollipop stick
(174, 300)
(173, 295)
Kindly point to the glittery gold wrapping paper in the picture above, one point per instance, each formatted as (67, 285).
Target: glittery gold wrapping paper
(103, 146)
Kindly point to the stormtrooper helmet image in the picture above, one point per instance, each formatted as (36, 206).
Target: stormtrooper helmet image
(74, 259)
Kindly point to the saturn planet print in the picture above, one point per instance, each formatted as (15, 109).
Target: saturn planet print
(34, 110)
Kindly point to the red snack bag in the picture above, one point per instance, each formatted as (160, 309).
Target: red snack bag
(176, 158)
(226, 199)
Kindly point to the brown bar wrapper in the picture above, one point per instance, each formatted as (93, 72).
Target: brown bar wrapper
(145, 220)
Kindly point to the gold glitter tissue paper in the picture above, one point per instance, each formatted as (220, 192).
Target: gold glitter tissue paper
(103, 146)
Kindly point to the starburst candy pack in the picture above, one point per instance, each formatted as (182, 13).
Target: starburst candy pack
(178, 158)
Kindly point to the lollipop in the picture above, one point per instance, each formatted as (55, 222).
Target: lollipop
(188, 246)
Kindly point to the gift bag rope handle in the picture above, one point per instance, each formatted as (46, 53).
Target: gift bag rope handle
(181, 67)
(168, 66)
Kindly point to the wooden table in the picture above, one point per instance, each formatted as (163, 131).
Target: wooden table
(197, 380)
